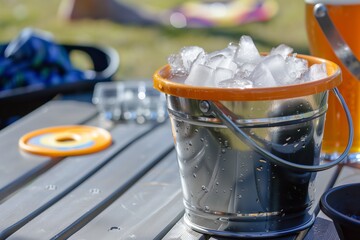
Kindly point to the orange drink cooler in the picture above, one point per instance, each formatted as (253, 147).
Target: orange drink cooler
(346, 17)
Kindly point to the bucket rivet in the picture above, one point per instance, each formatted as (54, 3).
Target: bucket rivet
(204, 106)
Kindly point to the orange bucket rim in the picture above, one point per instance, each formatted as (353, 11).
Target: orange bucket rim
(163, 84)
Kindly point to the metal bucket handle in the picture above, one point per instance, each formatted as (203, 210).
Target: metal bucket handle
(336, 41)
(222, 112)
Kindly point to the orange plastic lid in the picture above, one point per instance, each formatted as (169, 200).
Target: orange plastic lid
(163, 84)
(64, 141)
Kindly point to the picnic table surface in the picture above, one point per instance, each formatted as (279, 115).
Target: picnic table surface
(130, 190)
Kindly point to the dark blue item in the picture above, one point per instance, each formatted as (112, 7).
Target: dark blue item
(34, 69)
(34, 59)
(341, 204)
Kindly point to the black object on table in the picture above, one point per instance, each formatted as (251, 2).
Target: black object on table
(18, 102)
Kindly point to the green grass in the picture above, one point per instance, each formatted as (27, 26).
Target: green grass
(144, 49)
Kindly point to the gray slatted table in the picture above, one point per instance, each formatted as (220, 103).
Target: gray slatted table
(131, 190)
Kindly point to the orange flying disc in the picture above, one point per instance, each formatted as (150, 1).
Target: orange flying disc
(64, 141)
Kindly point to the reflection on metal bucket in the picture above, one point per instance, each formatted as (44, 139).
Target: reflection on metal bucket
(231, 189)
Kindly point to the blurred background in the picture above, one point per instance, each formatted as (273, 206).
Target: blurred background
(143, 49)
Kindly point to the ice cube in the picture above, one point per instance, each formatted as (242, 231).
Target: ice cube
(226, 52)
(262, 77)
(282, 50)
(317, 71)
(200, 75)
(277, 66)
(296, 67)
(228, 64)
(247, 51)
(176, 64)
(236, 83)
(245, 70)
(189, 55)
(221, 74)
(214, 61)
(233, 47)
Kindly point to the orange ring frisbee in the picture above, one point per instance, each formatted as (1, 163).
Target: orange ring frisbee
(64, 141)
(163, 83)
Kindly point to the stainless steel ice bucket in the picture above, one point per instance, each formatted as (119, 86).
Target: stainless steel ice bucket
(248, 157)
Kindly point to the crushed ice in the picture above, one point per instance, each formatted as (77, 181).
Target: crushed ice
(241, 66)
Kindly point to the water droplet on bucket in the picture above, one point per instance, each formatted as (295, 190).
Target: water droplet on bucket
(207, 209)
(194, 175)
(259, 168)
(262, 161)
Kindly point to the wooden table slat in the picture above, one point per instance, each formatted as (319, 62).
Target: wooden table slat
(145, 211)
(102, 187)
(182, 232)
(58, 181)
(17, 168)
(322, 229)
